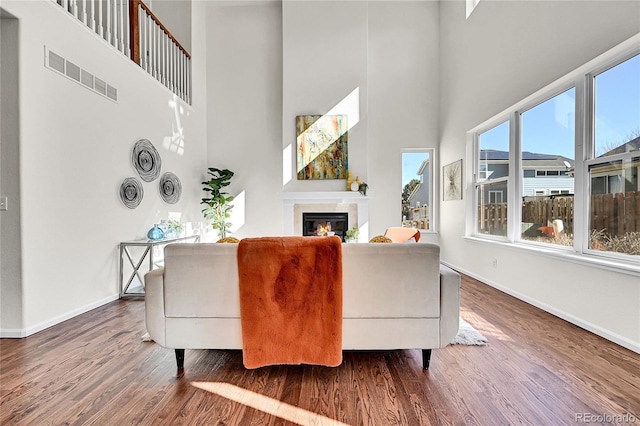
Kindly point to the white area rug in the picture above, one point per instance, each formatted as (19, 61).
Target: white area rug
(467, 335)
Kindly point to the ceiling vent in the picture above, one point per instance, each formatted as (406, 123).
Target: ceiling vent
(55, 62)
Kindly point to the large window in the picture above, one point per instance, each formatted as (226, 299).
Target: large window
(417, 189)
(547, 133)
(574, 179)
(492, 179)
(614, 216)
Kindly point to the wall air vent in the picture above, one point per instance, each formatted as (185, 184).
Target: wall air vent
(55, 62)
(87, 79)
(72, 70)
(112, 92)
(101, 87)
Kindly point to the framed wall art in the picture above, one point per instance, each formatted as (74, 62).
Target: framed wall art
(321, 147)
(452, 181)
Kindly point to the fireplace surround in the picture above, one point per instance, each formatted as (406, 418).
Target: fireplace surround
(353, 203)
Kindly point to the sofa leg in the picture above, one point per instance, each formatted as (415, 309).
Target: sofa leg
(180, 359)
(426, 358)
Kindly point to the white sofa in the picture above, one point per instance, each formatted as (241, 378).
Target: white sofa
(395, 296)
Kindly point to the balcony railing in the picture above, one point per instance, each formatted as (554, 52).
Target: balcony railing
(131, 27)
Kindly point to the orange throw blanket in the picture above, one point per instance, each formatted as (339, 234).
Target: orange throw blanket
(291, 300)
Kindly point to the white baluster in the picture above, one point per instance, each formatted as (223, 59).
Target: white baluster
(122, 35)
(84, 11)
(141, 39)
(100, 26)
(127, 29)
(93, 15)
(74, 8)
(174, 53)
(154, 48)
(188, 72)
(108, 34)
(114, 24)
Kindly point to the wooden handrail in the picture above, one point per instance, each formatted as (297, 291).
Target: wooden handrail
(135, 30)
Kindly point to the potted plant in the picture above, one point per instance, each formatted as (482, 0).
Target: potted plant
(174, 228)
(351, 236)
(218, 203)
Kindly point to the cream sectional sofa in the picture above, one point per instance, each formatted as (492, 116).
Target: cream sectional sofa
(395, 296)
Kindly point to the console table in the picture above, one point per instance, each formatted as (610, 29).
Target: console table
(145, 249)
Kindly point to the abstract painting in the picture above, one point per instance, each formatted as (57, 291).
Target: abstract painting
(321, 147)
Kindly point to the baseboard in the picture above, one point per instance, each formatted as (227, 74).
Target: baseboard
(20, 333)
(597, 330)
(12, 333)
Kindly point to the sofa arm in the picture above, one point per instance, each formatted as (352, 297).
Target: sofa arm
(449, 304)
(154, 305)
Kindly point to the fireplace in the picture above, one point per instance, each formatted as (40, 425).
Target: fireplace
(322, 222)
(355, 204)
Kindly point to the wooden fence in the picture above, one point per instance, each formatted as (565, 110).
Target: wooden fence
(617, 214)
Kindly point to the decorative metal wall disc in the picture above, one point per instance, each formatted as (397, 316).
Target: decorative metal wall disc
(131, 192)
(170, 188)
(146, 160)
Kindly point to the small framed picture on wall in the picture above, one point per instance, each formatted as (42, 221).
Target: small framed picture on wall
(452, 181)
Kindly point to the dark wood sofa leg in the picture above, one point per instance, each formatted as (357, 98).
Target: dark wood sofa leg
(426, 358)
(180, 359)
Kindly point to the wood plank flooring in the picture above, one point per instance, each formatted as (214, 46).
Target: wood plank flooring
(536, 370)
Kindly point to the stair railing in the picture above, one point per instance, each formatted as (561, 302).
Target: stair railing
(132, 28)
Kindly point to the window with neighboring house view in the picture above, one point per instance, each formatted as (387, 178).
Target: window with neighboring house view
(547, 135)
(589, 202)
(417, 189)
(613, 169)
(492, 177)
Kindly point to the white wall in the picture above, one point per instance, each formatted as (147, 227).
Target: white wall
(244, 77)
(74, 153)
(403, 76)
(269, 62)
(504, 52)
(10, 275)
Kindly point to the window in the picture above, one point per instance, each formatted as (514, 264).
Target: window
(547, 133)
(492, 180)
(574, 178)
(613, 172)
(417, 189)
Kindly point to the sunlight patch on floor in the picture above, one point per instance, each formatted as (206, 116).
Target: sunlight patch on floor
(484, 327)
(265, 404)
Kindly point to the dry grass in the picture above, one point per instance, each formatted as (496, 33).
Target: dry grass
(628, 243)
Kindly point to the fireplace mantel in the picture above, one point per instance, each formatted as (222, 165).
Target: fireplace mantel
(354, 202)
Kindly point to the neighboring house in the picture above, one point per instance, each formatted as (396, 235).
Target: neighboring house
(615, 177)
(420, 194)
(544, 174)
(419, 198)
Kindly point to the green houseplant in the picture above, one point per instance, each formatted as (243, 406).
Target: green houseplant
(351, 236)
(218, 202)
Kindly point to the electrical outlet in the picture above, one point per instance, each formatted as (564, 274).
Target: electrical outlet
(3, 203)
(495, 263)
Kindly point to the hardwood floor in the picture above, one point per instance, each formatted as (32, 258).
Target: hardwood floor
(537, 369)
